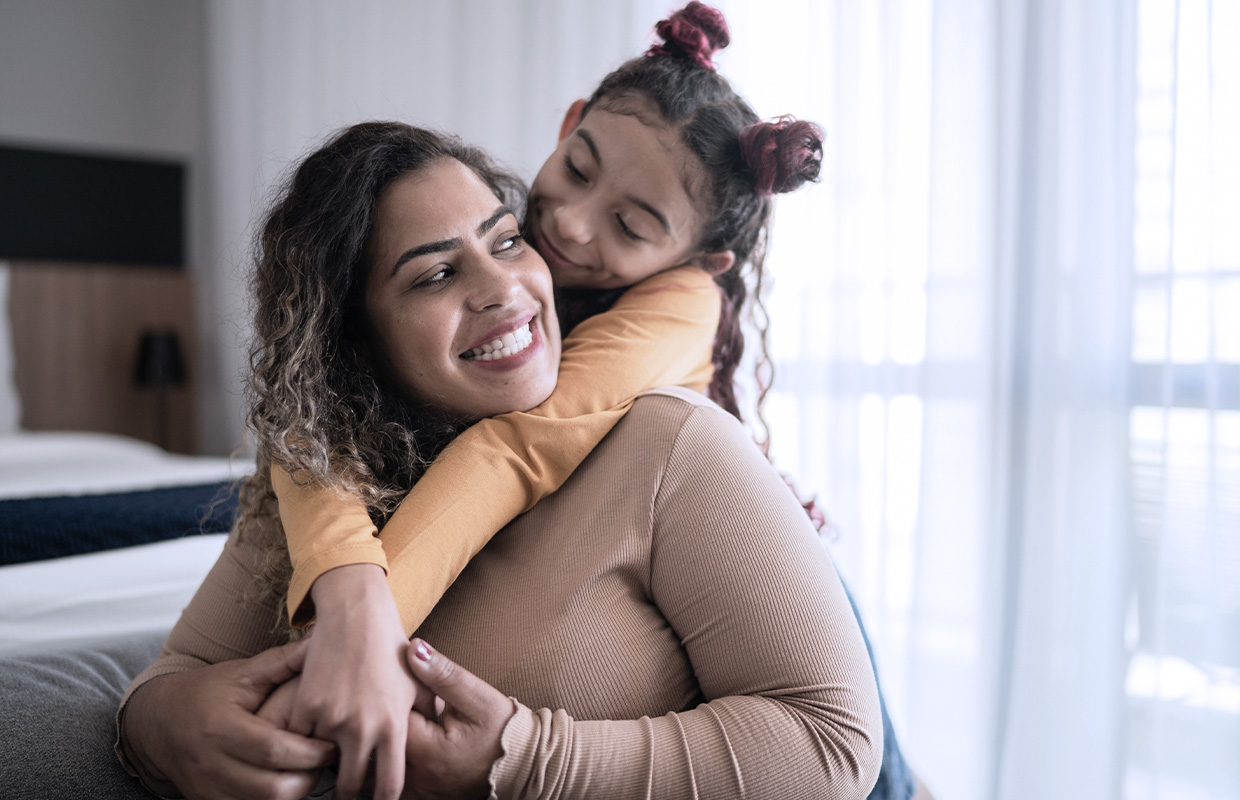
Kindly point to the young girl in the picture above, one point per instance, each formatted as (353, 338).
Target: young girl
(661, 182)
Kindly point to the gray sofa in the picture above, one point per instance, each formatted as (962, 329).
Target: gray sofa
(58, 720)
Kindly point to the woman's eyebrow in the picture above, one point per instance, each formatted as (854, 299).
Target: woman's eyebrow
(493, 220)
(445, 245)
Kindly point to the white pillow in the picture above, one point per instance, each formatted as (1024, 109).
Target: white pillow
(10, 403)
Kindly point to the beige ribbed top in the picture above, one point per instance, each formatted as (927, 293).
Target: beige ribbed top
(668, 622)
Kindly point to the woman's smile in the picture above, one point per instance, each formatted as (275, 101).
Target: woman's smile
(502, 347)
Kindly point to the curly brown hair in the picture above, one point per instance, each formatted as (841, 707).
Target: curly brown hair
(321, 404)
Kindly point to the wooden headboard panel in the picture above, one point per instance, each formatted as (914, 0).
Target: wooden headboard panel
(75, 339)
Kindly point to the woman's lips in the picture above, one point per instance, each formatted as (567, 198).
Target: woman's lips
(527, 343)
(506, 346)
(499, 331)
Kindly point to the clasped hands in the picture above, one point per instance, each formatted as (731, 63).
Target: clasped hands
(366, 688)
(451, 736)
(355, 691)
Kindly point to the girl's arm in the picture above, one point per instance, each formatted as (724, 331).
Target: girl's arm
(325, 529)
(659, 333)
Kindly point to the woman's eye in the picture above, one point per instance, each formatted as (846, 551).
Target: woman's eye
(573, 172)
(627, 231)
(435, 276)
(510, 244)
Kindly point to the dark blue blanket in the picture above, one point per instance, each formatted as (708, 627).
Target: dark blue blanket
(32, 529)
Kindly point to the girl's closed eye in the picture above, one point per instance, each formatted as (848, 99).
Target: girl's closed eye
(628, 232)
(573, 172)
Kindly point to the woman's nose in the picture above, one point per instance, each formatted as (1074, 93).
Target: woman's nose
(572, 222)
(496, 284)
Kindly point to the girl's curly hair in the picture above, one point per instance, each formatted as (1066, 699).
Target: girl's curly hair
(320, 404)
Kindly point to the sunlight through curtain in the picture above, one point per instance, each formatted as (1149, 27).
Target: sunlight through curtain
(1008, 358)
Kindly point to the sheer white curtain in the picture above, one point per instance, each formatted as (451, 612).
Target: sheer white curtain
(1007, 328)
(1007, 358)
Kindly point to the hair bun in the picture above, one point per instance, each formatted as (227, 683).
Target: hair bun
(694, 32)
(782, 154)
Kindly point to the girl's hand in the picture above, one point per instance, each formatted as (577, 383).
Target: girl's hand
(451, 753)
(356, 689)
(278, 707)
(196, 732)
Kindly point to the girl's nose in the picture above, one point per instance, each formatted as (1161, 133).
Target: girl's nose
(572, 222)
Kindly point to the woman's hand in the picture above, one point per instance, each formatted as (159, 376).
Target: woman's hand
(356, 689)
(197, 732)
(451, 753)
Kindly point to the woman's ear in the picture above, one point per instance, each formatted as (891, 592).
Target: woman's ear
(714, 263)
(572, 119)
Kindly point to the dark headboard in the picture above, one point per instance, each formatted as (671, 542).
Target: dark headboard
(57, 206)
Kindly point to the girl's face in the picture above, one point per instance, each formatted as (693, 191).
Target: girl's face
(460, 305)
(617, 201)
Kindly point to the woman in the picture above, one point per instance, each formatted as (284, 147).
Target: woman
(673, 585)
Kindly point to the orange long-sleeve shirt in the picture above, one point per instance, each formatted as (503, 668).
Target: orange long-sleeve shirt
(659, 333)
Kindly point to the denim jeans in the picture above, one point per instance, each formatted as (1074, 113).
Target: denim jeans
(895, 779)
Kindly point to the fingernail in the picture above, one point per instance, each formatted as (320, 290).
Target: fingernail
(423, 651)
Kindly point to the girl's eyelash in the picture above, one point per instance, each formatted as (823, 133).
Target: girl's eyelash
(572, 169)
(627, 231)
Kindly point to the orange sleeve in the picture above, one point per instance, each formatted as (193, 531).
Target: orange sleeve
(661, 332)
(325, 528)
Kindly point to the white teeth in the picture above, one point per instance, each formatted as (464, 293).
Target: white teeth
(507, 345)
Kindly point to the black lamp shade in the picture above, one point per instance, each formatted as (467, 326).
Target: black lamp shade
(159, 360)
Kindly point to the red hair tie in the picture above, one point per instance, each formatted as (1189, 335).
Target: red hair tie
(694, 32)
(782, 154)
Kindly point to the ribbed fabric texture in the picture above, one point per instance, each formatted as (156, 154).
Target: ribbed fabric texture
(668, 620)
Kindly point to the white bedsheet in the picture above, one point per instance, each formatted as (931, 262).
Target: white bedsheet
(39, 464)
(64, 601)
(60, 602)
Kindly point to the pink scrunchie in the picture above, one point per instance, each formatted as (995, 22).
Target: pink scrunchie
(695, 32)
(782, 154)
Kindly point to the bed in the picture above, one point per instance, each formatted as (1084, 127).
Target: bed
(103, 536)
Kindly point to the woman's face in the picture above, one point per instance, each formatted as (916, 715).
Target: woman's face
(615, 203)
(460, 305)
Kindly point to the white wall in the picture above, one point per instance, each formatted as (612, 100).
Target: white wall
(121, 77)
(115, 77)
